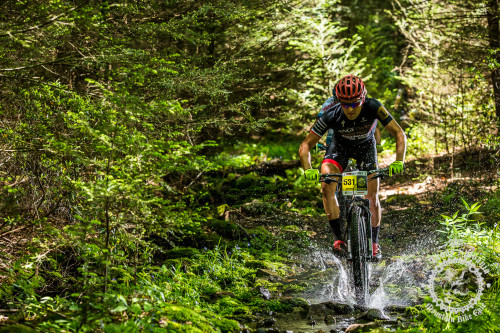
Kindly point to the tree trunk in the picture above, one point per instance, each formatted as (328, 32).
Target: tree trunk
(493, 34)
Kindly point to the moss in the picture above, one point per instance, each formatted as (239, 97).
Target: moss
(173, 263)
(227, 229)
(206, 239)
(284, 305)
(255, 264)
(259, 232)
(18, 328)
(296, 302)
(182, 252)
(227, 325)
(176, 318)
(293, 288)
(231, 306)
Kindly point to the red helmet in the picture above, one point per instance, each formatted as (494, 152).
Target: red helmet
(350, 87)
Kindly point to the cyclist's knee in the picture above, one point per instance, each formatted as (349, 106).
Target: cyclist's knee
(329, 168)
(328, 189)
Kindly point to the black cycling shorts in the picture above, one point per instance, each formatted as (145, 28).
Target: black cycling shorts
(365, 154)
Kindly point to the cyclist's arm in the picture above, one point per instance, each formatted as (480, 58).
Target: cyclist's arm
(397, 132)
(305, 150)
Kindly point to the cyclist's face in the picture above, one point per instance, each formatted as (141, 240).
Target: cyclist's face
(352, 108)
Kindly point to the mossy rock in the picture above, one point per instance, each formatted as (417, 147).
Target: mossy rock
(206, 239)
(182, 252)
(252, 181)
(255, 264)
(296, 302)
(233, 307)
(260, 232)
(227, 325)
(176, 318)
(227, 229)
(175, 263)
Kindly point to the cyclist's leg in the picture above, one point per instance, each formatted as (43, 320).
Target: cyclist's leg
(328, 192)
(335, 161)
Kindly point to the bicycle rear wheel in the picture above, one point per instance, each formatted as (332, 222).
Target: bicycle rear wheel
(359, 249)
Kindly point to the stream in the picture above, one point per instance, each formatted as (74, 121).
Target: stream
(395, 283)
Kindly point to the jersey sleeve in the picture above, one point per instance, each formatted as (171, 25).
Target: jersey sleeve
(382, 114)
(320, 127)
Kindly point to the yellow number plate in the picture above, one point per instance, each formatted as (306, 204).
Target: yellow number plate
(355, 183)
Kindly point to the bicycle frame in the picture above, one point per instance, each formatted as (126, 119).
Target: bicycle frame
(356, 216)
(346, 206)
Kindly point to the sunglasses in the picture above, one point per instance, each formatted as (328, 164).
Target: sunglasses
(352, 105)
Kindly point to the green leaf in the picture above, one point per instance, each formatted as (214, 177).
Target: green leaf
(119, 308)
(222, 209)
(147, 306)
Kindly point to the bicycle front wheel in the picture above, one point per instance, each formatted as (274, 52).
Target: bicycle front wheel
(359, 249)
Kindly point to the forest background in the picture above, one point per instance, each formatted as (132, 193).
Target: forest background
(126, 127)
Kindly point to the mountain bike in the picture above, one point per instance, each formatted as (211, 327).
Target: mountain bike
(355, 217)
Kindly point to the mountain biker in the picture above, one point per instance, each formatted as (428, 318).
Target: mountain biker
(353, 121)
(331, 101)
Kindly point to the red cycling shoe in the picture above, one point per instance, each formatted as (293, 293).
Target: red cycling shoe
(377, 253)
(339, 246)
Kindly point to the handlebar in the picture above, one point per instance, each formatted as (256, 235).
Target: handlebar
(379, 173)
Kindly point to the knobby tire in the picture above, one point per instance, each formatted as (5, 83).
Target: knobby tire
(359, 241)
(342, 213)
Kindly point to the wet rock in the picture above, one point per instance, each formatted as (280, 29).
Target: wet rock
(339, 308)
(395, 309)
(320, 310)
(299, 305)
(361, 307)
(330, 320)
(268, 322)
(361, 327)
(264, 292)
(374, 314)
(262, 272)
(268, 274)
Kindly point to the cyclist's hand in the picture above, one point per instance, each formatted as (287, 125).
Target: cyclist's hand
(312, 174)
(395, 168)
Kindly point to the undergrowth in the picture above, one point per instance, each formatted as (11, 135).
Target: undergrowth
(469, 237)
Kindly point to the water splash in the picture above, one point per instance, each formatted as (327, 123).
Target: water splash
(342, 286)
(398, 284)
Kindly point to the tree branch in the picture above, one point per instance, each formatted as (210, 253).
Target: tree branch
(39, 26)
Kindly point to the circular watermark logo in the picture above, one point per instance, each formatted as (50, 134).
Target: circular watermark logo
(456, 284)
